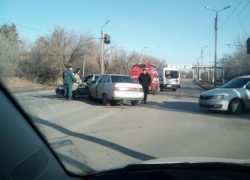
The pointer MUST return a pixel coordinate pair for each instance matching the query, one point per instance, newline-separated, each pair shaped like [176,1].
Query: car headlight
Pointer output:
[218,97]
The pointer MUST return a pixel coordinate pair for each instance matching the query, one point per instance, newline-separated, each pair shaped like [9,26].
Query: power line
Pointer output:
[23,26]
[239,18]
[31,18]
[26,9]
[209,45]
[231,14]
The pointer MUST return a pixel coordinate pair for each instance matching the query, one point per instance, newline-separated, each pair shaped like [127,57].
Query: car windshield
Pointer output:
[60,60]
[121,79]
[236,83]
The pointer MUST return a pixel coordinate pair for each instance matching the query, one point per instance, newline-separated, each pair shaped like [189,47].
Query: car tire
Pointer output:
[235,107]
[105,100]
[134,103]
[89,95]
[174,89]
[74,94]
[112,103]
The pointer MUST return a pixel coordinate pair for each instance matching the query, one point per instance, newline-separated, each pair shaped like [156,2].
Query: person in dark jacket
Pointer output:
[68,81]
[145,81]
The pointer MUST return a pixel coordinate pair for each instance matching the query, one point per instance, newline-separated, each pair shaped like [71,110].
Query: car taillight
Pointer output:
[176,80]
[115,89]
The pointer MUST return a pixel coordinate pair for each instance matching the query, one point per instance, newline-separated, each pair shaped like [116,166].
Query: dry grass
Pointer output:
[21,85]
[209,85]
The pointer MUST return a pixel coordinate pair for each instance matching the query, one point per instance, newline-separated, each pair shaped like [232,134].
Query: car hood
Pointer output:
[194,160]
[180,162]
[221,91]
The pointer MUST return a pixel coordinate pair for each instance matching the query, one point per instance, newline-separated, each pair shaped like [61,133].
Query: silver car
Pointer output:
[114,87]
[233,96]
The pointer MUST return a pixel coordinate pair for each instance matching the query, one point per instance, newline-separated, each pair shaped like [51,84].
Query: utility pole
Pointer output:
[142,53]
[83,66]
[223,72]
[202,57]
[215,52]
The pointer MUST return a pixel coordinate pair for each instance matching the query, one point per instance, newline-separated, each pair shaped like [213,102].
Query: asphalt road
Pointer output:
[89,137]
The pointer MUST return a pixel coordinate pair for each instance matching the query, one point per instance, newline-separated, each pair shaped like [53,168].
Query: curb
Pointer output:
[202,86]
[32,92]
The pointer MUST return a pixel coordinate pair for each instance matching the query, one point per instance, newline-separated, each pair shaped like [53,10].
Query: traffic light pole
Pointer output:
[102,50]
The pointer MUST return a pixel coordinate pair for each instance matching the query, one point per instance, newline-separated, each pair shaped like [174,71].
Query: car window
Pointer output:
[104,79]
[171,74]
[96,77]
[108,80]
[90,78]
[121,79]
[236,83]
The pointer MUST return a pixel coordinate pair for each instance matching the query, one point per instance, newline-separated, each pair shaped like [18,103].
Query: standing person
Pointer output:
[145,81]
[76,84]
[68,80]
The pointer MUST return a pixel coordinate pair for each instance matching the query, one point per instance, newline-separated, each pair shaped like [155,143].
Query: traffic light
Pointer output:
[107,39]
[248,46]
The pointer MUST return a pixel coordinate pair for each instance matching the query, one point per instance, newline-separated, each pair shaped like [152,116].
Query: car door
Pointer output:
[93,87]
[248,96]
[101,86]
[83,89]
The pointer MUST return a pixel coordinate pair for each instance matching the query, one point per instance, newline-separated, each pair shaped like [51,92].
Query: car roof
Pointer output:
[116,75]
[248,76]
[92,74]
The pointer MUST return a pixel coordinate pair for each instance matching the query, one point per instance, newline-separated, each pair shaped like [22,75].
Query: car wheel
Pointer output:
[89,95]
[105,100]
[134,103]
[235,107]
[74,94]
[112,103]
[174,89]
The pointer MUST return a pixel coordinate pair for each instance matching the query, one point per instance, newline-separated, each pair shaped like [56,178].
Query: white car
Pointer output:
[233,96]
[115,87]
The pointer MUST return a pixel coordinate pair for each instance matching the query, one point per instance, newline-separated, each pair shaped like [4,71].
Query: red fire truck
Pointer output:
[151,69]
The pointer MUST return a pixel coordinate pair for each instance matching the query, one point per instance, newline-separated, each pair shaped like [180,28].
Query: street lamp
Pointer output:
[102,47]
[141,52]
[202,56]
[215,53]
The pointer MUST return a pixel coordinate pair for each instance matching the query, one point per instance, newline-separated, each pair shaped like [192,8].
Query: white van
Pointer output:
[169,78]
